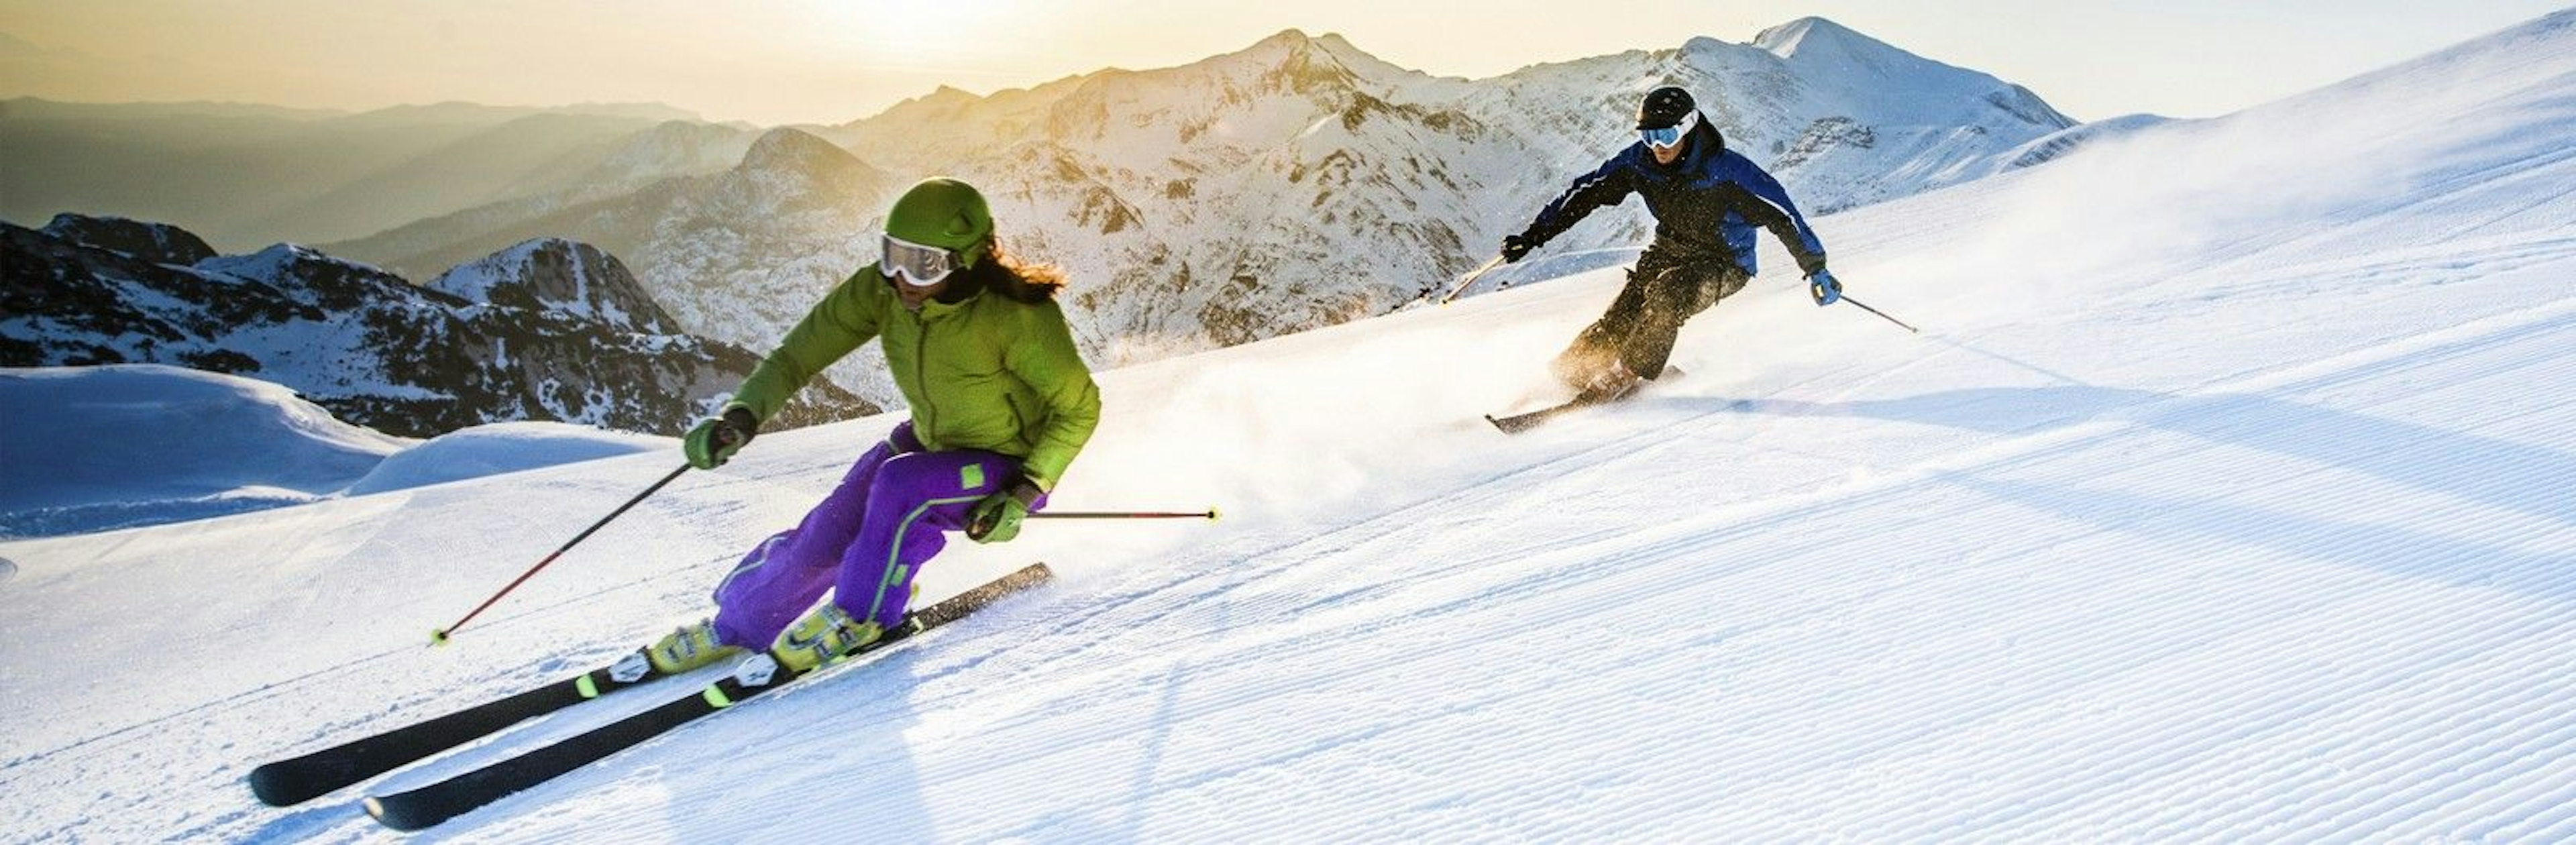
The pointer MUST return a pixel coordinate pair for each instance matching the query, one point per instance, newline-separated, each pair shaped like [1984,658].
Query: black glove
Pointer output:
[1515,246]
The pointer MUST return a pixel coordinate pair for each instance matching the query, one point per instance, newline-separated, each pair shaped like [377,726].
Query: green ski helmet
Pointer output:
[945,213]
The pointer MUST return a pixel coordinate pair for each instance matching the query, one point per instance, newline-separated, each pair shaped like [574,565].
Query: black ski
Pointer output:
[438,802]
[301,779]
[1517,423]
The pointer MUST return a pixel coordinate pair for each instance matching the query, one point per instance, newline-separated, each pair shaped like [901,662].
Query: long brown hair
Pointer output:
[1005,274]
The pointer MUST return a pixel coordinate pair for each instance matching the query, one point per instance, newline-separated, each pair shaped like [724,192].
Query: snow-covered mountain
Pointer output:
[1299,182]
[545,330]
[562,277]
[737,254]
[2222,503]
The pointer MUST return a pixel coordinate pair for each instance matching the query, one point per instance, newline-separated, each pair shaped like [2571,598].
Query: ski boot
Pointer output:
[1610,381]
[688,647]
[1593,369]
[824,635]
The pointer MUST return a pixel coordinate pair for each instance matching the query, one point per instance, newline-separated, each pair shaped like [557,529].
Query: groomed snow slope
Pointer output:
[2224,499]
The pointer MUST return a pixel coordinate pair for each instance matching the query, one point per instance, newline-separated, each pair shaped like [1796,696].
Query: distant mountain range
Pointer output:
[545,330]
[256,175]
[1297,183]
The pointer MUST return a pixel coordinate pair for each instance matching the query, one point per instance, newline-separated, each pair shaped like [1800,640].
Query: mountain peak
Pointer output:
[1810,35]
[789,148]
[1290,37]
[284,260]
[562,276]
[160,243]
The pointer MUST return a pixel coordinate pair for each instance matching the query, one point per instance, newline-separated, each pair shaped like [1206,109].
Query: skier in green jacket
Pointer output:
[1001,402]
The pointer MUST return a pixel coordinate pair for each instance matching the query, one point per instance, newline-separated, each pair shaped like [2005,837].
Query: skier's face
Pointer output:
[914,295]
[1667,155]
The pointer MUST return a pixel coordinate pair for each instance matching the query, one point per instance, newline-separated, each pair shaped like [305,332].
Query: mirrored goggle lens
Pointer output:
[1670,136]
[917,265]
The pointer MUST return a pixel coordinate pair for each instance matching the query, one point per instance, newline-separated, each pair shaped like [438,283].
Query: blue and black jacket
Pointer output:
[1705,204]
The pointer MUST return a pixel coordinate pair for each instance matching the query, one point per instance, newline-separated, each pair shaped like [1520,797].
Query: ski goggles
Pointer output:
[918,265]
[1669,136]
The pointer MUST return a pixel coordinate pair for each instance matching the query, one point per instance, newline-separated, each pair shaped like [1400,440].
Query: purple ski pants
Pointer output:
[865,541]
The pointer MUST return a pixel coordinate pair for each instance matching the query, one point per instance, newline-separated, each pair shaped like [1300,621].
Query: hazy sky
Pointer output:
[779,61]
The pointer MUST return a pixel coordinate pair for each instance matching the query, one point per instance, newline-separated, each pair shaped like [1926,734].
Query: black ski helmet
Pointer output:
[1664,107]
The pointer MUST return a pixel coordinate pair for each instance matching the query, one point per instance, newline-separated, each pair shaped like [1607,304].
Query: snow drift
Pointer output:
[97,448]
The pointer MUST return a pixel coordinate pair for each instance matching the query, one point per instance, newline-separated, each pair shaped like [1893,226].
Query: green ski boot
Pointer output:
[687,648]
[822,636]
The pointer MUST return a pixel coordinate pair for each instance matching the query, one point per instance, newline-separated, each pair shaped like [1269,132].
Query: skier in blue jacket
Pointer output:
[1706,200]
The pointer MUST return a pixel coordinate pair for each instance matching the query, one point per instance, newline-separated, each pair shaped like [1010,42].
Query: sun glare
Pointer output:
[922,32]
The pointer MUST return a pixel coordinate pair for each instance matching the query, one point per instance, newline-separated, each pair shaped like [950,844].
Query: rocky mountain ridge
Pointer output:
[545,330]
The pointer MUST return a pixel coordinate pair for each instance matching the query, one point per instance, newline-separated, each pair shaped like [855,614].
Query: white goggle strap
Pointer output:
[917,264]
[1680,130]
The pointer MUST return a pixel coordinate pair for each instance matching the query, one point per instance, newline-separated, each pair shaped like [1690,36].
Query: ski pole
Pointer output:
[1210,515]
[1470,279]
[1882,315]
[438,637]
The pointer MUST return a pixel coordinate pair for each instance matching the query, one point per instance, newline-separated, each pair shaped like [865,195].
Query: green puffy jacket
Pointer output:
[987,373]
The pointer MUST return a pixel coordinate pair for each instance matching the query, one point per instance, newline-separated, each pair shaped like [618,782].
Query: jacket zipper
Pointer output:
[921,376]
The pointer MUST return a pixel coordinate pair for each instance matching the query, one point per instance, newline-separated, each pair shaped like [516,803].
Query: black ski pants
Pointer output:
[1665,289]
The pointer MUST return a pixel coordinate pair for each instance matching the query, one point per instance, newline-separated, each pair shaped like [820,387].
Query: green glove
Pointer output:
[996,519]
[715,439]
